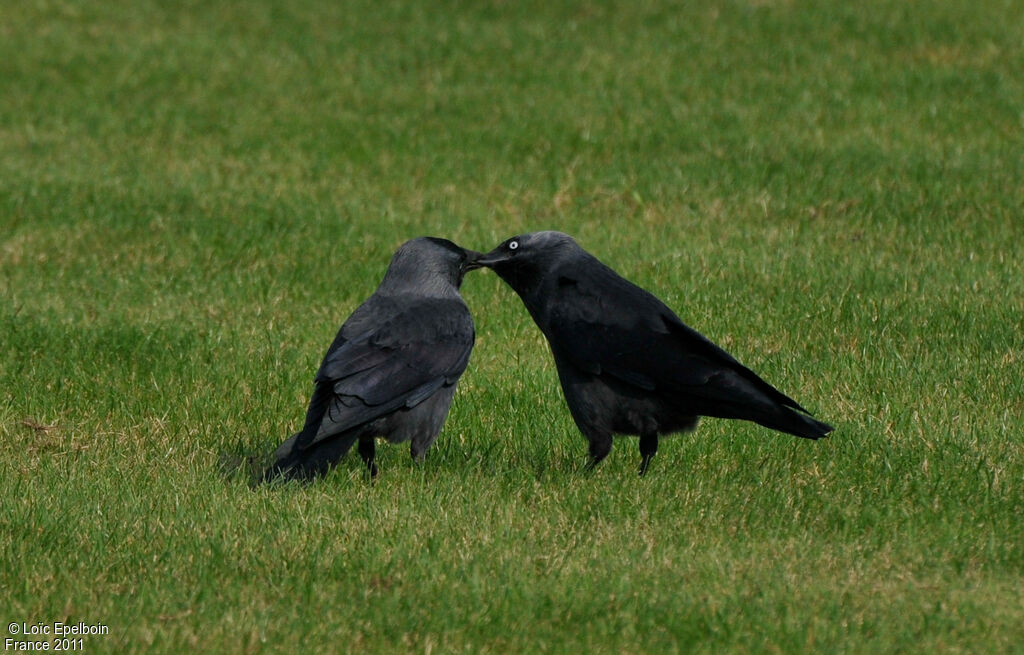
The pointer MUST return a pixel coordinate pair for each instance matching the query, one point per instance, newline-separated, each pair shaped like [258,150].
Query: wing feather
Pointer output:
[377,367]
[603,323]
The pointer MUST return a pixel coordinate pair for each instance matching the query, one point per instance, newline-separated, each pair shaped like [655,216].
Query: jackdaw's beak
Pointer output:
[496,256]
[472,260]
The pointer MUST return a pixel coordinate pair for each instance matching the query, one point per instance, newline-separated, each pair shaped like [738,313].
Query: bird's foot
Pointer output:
[648,447]
[644,463]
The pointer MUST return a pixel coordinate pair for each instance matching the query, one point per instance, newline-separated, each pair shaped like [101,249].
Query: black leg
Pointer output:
[600,446]
[648,447]
[418,449]
[368,451]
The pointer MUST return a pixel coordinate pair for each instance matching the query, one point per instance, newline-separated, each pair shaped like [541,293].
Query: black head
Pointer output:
[524,260]
[430,261]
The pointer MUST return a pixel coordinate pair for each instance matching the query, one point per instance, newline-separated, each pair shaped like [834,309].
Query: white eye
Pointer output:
[512,245]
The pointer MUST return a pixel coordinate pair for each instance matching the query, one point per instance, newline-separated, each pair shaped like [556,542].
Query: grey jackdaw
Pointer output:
[392,370]
[627,363]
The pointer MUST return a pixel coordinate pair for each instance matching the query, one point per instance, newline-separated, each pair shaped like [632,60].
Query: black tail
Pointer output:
[291,463]
[796,423]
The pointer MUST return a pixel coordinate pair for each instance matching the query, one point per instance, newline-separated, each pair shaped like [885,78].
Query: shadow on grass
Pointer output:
[249,467]
[493,458]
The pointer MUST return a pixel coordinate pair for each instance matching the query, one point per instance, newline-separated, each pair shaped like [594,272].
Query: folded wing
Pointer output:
[376,366]
[604,324]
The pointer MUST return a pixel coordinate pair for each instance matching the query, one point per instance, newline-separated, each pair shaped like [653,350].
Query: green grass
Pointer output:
[193,198]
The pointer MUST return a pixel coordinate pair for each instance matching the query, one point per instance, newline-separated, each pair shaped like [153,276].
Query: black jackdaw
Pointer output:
[392,370]
[627,363]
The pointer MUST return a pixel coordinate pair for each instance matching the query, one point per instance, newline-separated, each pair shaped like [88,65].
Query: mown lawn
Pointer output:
[193,196]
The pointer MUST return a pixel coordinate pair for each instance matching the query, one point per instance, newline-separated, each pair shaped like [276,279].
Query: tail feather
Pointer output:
[291,463]
[797,424]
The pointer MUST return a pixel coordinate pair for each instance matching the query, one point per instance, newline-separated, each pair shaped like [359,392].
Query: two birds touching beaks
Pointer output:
[627,364]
